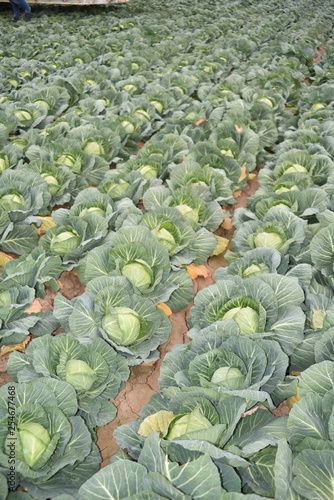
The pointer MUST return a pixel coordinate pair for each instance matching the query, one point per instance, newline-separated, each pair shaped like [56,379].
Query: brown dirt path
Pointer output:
[321,51]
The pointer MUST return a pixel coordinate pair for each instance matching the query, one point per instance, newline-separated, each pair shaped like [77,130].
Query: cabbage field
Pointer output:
[167,251]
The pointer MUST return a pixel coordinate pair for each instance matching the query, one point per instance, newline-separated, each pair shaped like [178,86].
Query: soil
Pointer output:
[307,82]
[4,377]
[70,285]
[281,410]
[321,51]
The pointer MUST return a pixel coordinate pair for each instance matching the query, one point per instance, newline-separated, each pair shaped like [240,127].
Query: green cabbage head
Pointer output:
[34,439]
[229,377]
[139,273]
[79,375]
[65,242]
[186,211]
[268,239]
[12,201]
[53,185]
[123,325]
[184,424]
[246,317]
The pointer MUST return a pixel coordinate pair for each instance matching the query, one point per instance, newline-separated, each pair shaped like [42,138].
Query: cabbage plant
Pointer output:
[9,494]
[136,254]
[35,270]
[23,194]
[183,84]
[52,98]
[321,248]
[198,211]
[139,118]
[119,184]
[263,260]
[184,245]
[313,432]
[18,238]
[324,345]
[207,153]
[8,119]
[305,204]
[316,379]
[319,307]
[253,263]
[166,476]
[268,97]
[66,152]
[97,140]
[28,115]
[9,157]
[73,235]
[166,147]
[61,181]
[94,370]
[16,322]
[268,305]
[220,359]
[92,201]
[279,229]
[54,450]
[133,85]
[131,324]
[212,182]
[163,99]
[310,138]
[310,431]
[295,181]
[194,421]
[317,166]
[242,145]
[149,169]
[262,440]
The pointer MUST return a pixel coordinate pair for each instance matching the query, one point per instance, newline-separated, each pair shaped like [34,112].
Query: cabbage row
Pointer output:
[121,147]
